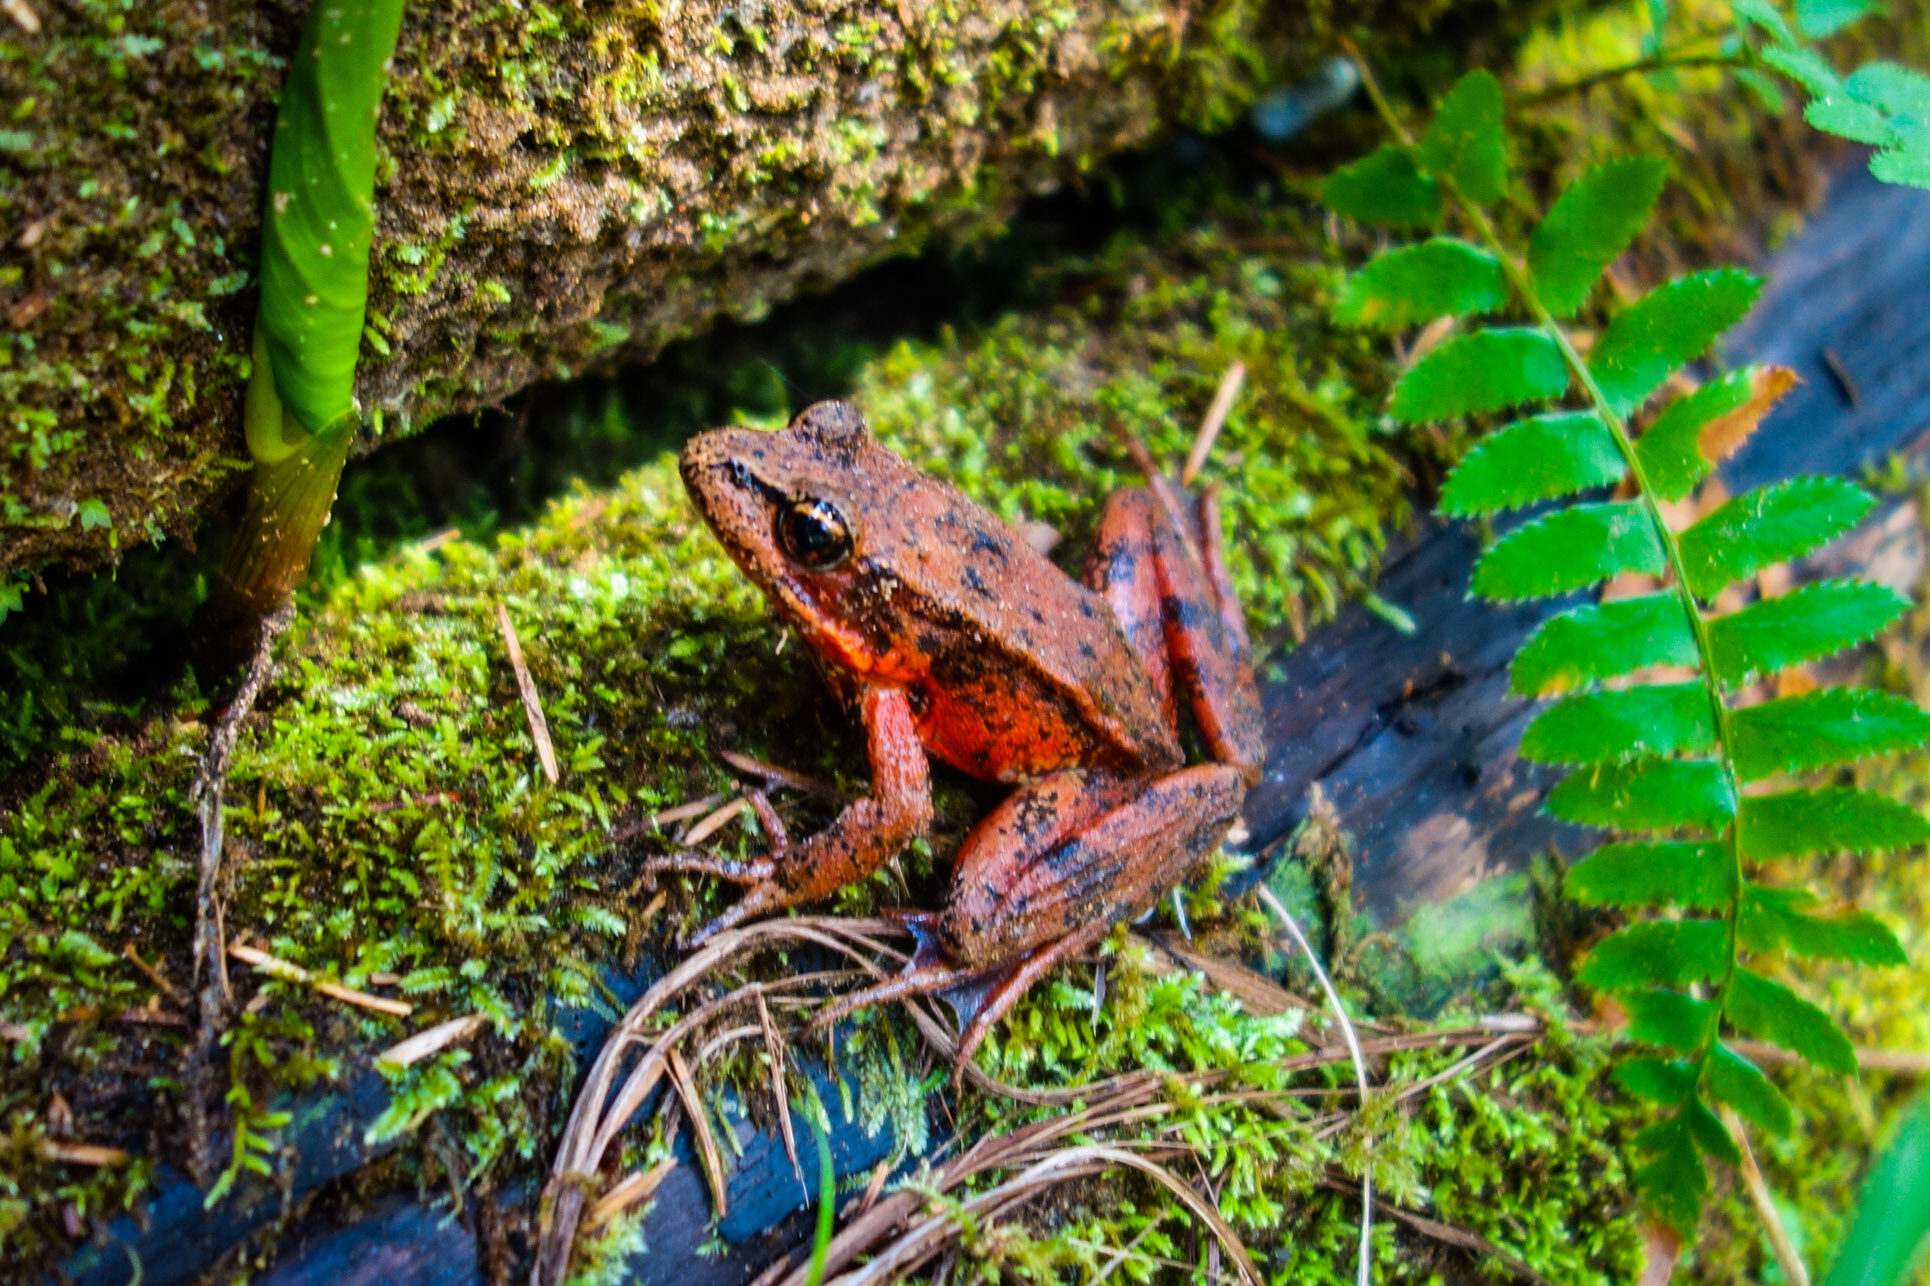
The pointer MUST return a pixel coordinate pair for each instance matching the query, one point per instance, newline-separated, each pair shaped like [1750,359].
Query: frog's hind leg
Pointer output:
[1123,570]
[1174,600]
[1045,876]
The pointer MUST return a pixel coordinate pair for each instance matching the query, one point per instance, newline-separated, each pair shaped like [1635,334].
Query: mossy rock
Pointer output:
[560,188]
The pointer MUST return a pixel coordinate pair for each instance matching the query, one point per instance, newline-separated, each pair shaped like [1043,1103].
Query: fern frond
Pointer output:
[1651,758]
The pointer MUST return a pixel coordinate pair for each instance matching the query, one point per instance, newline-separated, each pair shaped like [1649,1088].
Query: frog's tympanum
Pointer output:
[954,638]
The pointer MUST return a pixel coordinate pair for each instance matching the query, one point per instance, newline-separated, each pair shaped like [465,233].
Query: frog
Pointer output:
[955,640]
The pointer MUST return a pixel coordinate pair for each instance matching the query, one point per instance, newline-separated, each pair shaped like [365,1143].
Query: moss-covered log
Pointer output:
[561,186]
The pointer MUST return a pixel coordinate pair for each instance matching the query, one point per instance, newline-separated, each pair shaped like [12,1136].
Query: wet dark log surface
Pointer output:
[1412,737]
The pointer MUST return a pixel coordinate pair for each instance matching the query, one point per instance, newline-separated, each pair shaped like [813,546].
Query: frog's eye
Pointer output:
[814,534]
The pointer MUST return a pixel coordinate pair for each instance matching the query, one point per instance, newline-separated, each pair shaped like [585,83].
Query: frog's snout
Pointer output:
[713,468]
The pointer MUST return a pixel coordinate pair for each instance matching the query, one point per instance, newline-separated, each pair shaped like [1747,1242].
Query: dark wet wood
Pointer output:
[1411,736]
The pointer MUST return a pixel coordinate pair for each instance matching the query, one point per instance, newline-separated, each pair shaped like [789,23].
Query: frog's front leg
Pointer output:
[1046,875]
[860,840]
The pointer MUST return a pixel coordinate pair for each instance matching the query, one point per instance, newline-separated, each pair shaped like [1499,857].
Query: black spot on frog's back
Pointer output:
[987,544]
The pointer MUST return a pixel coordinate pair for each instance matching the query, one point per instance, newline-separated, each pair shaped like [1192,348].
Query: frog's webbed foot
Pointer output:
[978,997]
[858,841]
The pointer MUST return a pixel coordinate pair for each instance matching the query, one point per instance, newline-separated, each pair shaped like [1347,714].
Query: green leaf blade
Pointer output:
[1846,118]
[1646,795]
[1775,919]
[1695,433]
[1694,876]
[1466,143]
[1603,727]
[1807,68]
[1834,819]
[1821,19]
[1905,167]
[1675,1182]
[1442,277]
[1710,1135]
[1770,525]
[1892,88]
[1569,549]
[1823,729]
[1659,1080]
[320,217]
[1591,223]
[1893,1209]
[1736,1081]
[1489,370]
[1384,187]
[1765,14]
[1666,952]
[1603,641]
[1772,1012]
[1670,326]
[1543,457]
[1806,624]
[1668,1019]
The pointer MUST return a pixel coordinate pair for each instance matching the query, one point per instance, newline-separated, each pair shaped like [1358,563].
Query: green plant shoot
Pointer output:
[317,225]
[1665,765]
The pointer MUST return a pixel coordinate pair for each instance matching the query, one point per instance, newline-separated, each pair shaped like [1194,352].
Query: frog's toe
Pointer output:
[753,871]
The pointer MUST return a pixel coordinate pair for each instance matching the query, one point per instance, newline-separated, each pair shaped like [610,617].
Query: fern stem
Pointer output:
[1640,67]
[1624,443]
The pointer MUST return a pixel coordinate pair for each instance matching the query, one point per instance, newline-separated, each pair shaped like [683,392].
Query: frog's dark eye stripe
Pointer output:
[813,534]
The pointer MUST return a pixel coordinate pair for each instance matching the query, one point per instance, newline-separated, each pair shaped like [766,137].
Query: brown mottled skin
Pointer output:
[956,639]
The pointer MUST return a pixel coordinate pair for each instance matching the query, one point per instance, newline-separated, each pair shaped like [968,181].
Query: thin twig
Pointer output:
[93,1155]
[783,776]
[432,1040]
[716,821]
[610,1097]
[1216,414]
[210,784]
[700,1122]
[1788,1258]
[23,15]
[276,967]
[634,1187]
[1640,67]
[1447,1234]
[153,974]
[539,727]
[774,1050]
[1365,1268]
[668,817]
